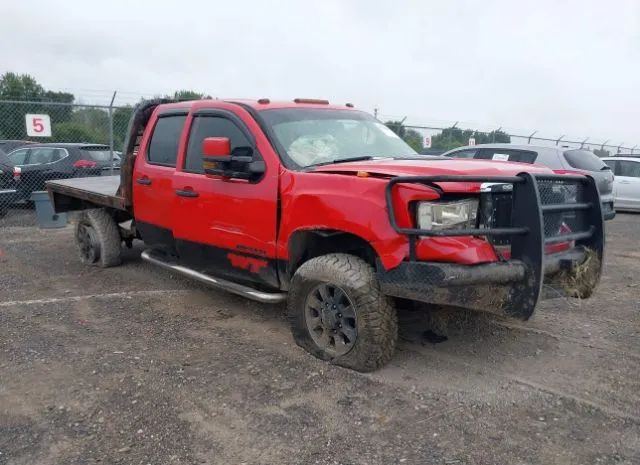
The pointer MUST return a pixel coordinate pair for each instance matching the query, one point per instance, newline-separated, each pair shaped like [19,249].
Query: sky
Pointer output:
[559,67]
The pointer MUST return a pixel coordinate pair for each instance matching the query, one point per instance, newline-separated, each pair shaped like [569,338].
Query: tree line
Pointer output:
[91,124]
[69,123]
[448,138]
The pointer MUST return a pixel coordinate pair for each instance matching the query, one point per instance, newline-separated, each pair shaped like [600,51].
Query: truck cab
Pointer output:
[325,207]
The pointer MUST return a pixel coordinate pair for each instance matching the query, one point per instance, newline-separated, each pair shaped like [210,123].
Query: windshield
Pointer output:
[310,136]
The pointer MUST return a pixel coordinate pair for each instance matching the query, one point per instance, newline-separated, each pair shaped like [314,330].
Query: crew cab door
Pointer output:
[225,226]
[153,193]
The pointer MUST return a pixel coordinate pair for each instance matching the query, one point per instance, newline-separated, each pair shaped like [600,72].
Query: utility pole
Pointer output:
[111,130]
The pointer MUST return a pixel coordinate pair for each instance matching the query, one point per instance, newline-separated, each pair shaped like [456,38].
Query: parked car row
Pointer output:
[561,160]
[25,167]
[28,166]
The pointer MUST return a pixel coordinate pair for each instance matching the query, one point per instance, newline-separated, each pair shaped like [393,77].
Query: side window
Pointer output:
[629,168]
[613,164]
[19,157]
[470,153]
[163,147]
[210,126]
[42,155]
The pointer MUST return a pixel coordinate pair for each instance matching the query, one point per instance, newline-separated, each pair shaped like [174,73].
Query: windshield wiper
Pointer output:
[343,160]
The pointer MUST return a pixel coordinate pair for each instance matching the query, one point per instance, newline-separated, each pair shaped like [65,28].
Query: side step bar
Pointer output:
[234,288]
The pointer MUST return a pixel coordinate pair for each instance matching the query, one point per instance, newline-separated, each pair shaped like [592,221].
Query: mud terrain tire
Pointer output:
[98,238]
[357,292]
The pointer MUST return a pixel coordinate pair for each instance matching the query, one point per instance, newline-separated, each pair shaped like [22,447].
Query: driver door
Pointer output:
[221,226]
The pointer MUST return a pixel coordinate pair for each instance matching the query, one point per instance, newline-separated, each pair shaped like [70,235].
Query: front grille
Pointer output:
[495,212]
[496,208]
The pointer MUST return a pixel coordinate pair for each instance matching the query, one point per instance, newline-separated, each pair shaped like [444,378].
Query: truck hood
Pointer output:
[388,167]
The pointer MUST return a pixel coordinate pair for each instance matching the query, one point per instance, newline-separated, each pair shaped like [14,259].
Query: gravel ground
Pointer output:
[133,365]
[18,215]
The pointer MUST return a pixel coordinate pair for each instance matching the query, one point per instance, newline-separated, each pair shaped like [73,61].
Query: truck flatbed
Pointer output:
[75,193]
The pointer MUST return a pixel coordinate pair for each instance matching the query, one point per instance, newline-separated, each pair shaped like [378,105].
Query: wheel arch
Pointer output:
[303,245]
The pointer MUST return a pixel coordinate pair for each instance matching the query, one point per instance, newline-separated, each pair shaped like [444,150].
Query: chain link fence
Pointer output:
[40,141]
[439,137]
[602,149]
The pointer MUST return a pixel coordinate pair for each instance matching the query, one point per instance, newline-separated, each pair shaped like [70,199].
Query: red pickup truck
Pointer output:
[325,207]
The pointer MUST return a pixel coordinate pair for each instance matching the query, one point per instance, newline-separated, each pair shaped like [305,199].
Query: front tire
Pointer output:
[98,238]
[338,313]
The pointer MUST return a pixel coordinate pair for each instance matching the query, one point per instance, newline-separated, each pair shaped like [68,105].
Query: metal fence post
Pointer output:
[111,129]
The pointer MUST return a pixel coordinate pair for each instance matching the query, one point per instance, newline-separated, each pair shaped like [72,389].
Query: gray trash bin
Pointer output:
[46,216]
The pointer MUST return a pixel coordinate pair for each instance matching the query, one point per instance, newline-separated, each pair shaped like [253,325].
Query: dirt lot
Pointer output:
[133,365]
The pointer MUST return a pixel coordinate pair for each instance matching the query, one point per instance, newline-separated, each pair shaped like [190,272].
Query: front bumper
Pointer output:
[491,287]
[543,210]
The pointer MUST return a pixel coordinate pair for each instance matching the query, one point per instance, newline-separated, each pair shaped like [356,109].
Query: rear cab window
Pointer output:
[470,153]
[584,160]
[498,154]
[163,147]
[97,153]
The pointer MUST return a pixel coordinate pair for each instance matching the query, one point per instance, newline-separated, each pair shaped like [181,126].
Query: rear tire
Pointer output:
[98,239]
[338,313]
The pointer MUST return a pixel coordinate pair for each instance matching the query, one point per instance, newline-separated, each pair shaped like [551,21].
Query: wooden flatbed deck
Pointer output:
[99,190]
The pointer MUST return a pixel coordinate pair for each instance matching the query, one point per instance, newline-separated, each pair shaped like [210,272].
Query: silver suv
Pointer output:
[561,160]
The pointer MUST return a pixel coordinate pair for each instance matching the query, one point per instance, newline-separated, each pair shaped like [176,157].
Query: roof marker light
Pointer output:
[264,101]
[311,100]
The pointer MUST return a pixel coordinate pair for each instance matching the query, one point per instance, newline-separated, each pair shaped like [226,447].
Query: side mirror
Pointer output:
[216,149]
[219,160]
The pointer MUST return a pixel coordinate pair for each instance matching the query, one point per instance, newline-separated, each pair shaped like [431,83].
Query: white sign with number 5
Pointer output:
[38,125]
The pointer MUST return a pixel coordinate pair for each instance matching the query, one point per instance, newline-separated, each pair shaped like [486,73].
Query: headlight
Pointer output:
[460,214]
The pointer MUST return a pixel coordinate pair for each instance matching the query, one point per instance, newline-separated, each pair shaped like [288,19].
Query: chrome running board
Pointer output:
[235,288]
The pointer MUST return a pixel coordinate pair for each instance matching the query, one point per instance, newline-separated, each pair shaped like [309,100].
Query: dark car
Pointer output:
[38,163]
[9,174]
[562,160]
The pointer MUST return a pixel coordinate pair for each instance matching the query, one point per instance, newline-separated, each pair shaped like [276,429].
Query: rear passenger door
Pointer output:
[153,180]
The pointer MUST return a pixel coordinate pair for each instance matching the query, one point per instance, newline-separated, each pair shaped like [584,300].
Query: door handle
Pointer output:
[186,193]
[145,181]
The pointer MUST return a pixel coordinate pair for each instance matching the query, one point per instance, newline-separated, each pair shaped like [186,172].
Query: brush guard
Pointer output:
[540,203]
